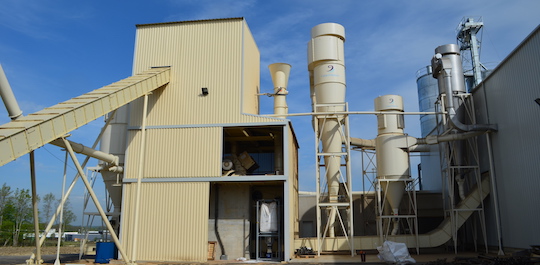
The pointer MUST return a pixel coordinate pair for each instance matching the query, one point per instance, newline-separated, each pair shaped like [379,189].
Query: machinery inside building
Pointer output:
[193,167]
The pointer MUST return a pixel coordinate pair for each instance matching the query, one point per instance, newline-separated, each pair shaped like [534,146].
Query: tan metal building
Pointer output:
[201,159]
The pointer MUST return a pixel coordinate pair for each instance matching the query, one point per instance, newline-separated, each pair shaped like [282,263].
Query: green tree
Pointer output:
[22,204]
[5,192]
[69,216]
[49,206]
[8,224]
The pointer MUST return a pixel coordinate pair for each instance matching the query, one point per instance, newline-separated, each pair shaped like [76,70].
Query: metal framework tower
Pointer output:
[467,38]
[407,222]
[338,213]
[460,166]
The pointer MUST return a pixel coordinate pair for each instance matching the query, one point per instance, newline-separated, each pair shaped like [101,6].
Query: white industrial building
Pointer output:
[195,172]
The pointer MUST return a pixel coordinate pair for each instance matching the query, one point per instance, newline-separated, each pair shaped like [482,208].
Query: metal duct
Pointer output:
[81,149]
[446,64]
[8,97]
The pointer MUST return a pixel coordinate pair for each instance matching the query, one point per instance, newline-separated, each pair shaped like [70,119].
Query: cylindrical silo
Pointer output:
[428,92]
[114,142]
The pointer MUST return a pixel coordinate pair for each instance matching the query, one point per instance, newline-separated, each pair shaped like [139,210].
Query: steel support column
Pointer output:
[96,202]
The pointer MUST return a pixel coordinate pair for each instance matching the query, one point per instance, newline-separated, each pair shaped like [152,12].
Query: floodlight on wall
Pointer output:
[537,101]
[204,91]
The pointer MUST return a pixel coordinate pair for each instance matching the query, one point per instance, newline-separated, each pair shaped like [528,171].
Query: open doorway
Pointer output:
[252,150]
[233,217]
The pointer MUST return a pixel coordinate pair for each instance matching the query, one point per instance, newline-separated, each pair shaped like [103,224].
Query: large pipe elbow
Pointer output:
[445,68]
[455,123]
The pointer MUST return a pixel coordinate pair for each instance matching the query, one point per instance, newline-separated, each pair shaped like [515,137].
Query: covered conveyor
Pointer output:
[21,136]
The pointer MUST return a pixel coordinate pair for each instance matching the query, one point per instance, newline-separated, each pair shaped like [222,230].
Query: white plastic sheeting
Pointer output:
[394,252]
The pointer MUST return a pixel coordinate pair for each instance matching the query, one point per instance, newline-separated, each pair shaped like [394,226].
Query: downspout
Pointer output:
[419,176]
[216,217]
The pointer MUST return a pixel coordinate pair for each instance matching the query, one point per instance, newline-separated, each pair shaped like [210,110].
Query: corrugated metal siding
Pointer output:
[176,152]
[217,54]
[293,190]
[209,54]
[251,74]
[510,92]
[173,223]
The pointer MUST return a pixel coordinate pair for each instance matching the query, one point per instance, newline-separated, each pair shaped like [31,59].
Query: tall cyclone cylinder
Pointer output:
[326,65]
[451,52]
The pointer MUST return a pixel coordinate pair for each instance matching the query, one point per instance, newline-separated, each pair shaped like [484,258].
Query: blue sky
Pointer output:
[52,51]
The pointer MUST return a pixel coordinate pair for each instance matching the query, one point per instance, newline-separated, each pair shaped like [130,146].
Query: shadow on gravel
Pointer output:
[47,259]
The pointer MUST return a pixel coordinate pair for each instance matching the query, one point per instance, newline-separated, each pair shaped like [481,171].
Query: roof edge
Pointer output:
[189,21]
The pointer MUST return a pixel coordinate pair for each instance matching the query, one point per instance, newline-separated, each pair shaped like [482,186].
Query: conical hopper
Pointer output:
[280,74]
[393,190]
[280,78]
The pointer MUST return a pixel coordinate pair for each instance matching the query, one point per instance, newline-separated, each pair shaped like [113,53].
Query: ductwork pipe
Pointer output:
[13,109]
[420,148]
[366,143]
[81,149]
[435,139]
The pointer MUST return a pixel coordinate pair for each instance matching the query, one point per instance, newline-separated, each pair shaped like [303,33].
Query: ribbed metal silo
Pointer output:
[428,91]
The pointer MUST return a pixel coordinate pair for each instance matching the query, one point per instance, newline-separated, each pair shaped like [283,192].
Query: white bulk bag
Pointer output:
[268,217]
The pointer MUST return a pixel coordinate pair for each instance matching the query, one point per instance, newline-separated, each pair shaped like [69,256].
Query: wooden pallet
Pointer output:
[211,250]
